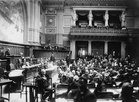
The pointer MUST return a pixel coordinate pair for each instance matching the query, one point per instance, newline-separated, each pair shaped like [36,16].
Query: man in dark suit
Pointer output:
[68,59]
[52,58]
[7,52]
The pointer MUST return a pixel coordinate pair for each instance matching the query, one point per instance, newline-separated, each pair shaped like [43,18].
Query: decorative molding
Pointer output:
[50,30]
[50,11]
[50,21]
[50,38]
[67,21]
[89,37]
[95,2]
[58,4]
[66,30]
[100,8]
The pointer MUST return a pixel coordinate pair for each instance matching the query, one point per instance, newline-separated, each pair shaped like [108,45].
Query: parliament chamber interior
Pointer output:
[69,51]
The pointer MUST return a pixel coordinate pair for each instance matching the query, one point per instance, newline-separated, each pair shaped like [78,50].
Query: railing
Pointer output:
[97,31]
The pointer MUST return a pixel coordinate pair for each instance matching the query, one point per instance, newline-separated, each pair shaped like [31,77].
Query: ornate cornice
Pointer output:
[57,4]
[95,2]
[84,3]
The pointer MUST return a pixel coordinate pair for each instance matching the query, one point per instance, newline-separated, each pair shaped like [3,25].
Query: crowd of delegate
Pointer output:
[105,68]
[100,72]
[97,71]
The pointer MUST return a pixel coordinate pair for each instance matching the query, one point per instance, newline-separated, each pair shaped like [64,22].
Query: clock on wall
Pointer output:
[50,21]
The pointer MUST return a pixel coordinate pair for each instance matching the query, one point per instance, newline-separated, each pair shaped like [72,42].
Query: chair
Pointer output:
[1,73]
[1,100]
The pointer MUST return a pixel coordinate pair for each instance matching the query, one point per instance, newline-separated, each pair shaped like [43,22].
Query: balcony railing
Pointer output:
[98,31]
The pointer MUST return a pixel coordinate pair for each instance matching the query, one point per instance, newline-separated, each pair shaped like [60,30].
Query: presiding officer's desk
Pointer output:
[25,74]
[30,73]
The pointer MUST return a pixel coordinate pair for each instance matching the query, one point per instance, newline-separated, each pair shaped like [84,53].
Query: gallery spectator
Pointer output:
[42,81]
[83,91]
[52,57]
[7,52]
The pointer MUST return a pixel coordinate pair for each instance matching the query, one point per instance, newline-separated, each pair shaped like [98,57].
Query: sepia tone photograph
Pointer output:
[69,50]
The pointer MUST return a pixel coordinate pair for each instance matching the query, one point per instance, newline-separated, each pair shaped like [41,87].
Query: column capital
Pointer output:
[90,15]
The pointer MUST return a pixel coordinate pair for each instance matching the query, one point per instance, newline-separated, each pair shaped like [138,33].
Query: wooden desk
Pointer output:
[32,92]
[31,71]
[4,82]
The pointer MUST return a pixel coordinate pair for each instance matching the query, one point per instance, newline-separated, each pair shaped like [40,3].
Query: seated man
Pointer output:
[43,84]
[100,88]
[73,87]
[90,98]
[83,91]
[127,93]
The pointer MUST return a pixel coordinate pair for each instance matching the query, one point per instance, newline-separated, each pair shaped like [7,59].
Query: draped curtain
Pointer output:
[82,13]
[98,14]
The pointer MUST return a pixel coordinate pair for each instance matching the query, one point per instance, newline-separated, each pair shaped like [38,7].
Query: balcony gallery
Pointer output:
[102,22]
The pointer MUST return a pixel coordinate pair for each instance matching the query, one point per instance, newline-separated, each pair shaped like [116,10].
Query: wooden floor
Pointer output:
[15,97]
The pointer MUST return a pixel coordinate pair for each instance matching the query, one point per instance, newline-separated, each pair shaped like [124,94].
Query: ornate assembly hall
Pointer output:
[69,51]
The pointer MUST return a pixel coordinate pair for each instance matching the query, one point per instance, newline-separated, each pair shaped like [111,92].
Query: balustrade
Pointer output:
[97,30]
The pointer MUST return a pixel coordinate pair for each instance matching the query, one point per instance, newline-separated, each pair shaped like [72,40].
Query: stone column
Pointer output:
[72,48]
[106,18]
[75,18]
[123,46]
[33,7]
[90,17]
[89,47]
[37,24]
[106,47]
[30,20]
